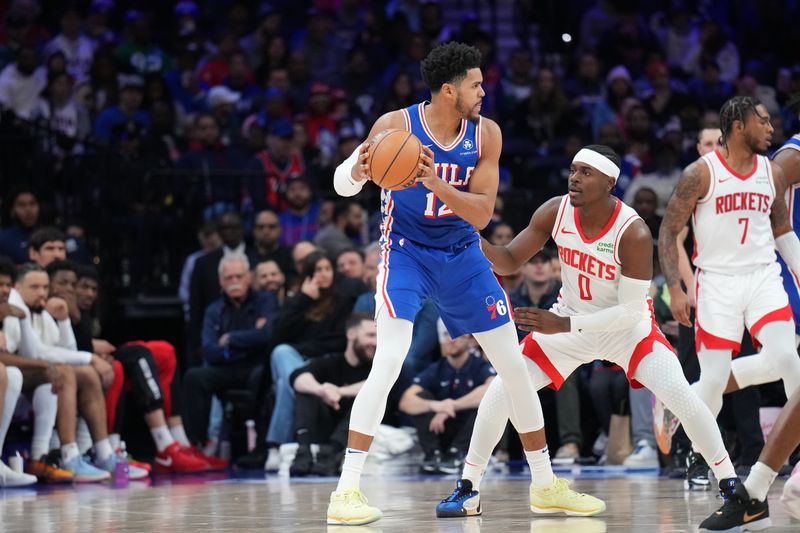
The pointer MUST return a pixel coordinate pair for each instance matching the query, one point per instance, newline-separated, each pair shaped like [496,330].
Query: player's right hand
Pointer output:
[360,170]
[680,306]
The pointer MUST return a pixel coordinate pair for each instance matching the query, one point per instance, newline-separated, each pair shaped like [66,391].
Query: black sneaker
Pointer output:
[430,465]
[738,511]
[328,461]
[451,462]
[254,460]
[302,461]
[696,472]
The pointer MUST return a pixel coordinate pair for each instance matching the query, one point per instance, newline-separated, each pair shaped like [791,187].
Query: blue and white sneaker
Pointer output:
[134,472]
[462,502]
[84,471]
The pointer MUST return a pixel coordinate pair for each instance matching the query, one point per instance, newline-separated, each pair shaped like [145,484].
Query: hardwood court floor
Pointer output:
[643,503]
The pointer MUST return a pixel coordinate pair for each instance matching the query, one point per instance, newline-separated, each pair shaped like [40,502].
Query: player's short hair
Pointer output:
[58,265]
[350,251]
[7,268]
[44,235]
[448,63]
[737,108]
[606,152]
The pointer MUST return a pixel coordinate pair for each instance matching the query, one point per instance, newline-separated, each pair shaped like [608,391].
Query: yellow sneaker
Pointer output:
[349,507]
[560,498]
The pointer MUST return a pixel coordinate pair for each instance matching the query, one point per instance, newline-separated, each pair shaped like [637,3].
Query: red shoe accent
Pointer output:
[214,462]
[176,459]
[147,467]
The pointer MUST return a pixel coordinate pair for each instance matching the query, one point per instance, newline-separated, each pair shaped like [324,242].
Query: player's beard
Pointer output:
[752,143]
[466,112]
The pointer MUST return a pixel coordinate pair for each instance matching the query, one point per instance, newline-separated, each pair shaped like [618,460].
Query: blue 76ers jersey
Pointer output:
[416,213]
[790,282]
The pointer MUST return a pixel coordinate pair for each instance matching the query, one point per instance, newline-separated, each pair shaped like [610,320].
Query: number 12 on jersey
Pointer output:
[583,287]
[430,207]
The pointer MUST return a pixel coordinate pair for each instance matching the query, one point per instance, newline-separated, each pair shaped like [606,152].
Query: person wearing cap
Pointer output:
[222,102]
[97,23]
[131,94]
[606,254]
[619,87]
[274,166]
[443,402]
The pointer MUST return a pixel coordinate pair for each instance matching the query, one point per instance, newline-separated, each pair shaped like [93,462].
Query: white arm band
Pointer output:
[343,182]
[631,309]
[789,247]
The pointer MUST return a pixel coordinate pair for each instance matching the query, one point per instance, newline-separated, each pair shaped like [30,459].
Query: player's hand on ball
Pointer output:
[426,174]
[360,170]
[540,321]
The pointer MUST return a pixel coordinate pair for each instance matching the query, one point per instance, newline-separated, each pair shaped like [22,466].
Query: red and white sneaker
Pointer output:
[176,459]
[215,463]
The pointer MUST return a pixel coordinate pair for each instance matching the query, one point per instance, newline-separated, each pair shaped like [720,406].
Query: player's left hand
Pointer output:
[426,174]
[540,321]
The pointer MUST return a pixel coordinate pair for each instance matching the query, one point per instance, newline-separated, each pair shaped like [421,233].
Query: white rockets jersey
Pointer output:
[732,228]
[590,268]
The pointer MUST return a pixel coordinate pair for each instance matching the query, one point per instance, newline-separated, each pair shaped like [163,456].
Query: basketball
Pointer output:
[394,159]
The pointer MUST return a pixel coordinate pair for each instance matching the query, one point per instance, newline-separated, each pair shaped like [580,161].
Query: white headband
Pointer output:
[598,161]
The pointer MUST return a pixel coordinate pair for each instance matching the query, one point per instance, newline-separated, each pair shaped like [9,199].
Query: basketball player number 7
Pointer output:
[746,222]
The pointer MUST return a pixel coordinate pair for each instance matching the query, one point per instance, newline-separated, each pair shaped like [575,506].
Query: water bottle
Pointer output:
[251,435]
[120,477]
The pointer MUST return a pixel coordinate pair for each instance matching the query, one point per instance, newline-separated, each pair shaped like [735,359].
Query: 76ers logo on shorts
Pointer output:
[495,307]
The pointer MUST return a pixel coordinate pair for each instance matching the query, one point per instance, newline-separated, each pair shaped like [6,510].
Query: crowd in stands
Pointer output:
[188,149]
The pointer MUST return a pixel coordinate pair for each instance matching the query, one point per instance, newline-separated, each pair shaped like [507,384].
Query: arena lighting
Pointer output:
[566,37]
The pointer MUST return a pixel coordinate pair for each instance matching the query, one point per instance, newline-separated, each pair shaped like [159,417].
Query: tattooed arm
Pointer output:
[692,186]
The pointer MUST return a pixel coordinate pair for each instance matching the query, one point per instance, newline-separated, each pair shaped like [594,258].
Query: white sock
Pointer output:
[351,469]
[69,452]
[115,440]
[102,450]
[162,437]
[13,388]
[45,407]
[84,436]
[541,470]
[474,473]
[179,435]
[758,482]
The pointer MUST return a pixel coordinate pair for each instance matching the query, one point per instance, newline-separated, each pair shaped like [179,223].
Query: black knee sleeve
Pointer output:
[140,369]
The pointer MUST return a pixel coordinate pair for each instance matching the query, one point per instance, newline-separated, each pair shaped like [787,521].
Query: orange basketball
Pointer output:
[394,159]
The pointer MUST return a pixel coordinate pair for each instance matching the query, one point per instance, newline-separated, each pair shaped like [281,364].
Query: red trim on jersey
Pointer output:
[387,243]
[779,315]
[712,185]
[645,347]
[433,139]
[630,220]
[407,118]
[733,172]
[478,135]
[603,231]
[534,352]
[561,210]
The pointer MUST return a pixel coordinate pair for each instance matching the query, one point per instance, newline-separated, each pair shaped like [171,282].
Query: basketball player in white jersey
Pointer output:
[606,254]
[739,216]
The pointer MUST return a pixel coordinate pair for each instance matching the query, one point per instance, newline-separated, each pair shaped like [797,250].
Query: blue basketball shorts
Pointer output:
[792,286]
[458,279]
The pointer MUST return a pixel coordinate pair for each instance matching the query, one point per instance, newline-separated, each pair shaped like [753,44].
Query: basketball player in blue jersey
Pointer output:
[430,248]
